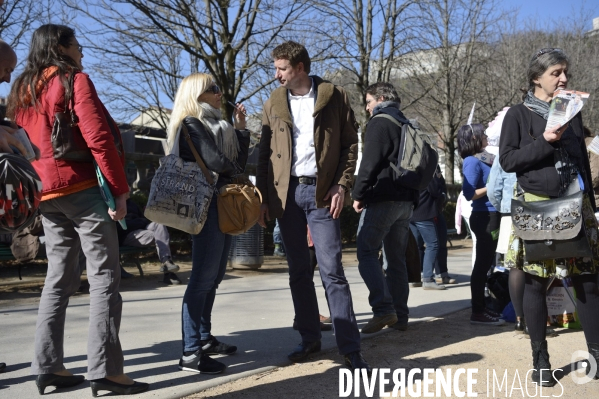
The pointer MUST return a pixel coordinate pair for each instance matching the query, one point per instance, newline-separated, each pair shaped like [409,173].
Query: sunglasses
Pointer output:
[214,89]
[546,51]
[79,47]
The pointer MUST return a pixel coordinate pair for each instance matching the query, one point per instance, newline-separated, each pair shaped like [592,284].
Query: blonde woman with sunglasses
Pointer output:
[224,150]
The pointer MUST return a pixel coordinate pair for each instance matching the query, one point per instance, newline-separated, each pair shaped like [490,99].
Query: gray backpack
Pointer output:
[417,159]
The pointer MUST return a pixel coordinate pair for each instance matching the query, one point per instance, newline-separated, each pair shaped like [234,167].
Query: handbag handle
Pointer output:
[205,170]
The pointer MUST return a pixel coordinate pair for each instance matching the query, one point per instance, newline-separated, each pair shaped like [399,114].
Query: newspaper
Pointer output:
[564,106]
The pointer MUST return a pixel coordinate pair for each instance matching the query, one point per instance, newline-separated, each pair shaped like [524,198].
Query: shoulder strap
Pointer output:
[205,170]
[389,117]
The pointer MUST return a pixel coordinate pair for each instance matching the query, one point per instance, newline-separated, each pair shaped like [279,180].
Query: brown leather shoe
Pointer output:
[377,323]
[324,319]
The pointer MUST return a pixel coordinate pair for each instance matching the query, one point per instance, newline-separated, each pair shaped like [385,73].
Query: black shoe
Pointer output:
[354,360]
[304,350]
[542,373]
[104,384]
[521,326]
[2,367]
[199,362]
[171,278]
[125,274]
[212,346]
[493,313]
[59,381]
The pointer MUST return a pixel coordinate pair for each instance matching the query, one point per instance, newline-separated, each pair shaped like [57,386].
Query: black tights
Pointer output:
[587,304]
[484,226]
[516,283]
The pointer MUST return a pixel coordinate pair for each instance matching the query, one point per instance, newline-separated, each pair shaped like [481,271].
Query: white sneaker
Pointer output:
[169,266]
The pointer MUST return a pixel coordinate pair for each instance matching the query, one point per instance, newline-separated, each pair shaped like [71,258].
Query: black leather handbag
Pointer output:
[67,140]
[551,229]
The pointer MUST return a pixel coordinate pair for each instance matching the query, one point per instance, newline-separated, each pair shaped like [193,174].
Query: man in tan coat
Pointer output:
[306,166]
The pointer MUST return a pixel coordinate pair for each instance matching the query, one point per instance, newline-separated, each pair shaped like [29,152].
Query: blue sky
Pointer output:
[546,11]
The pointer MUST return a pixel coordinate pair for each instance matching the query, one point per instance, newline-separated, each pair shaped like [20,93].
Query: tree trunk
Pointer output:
[449,148]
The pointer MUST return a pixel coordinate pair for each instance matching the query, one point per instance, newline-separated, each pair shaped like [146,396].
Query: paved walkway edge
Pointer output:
[234,377]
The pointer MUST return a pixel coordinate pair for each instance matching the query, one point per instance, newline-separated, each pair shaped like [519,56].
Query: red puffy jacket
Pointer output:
[58,175]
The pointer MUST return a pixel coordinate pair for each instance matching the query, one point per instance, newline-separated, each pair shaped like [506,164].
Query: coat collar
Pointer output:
[280,104]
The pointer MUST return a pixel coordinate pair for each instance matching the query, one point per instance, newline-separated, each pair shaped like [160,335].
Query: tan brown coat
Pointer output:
[335,142]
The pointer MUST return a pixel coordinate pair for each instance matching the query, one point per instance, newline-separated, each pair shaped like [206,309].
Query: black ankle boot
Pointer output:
[594,351]
[520,325]
[542,374]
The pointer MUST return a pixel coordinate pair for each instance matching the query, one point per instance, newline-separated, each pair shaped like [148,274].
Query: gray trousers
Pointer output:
[154,233]
[73,222]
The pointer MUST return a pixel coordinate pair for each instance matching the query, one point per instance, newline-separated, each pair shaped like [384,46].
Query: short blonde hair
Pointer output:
[186,103]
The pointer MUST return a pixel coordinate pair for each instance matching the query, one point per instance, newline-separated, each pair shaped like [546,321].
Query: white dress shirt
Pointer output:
[302,109]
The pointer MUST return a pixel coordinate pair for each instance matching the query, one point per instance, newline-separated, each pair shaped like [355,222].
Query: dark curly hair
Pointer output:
[294,53]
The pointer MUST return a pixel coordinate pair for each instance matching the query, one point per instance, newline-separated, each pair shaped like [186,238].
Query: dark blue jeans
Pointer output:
[276,233]
[425,232]
[209,256]
[301,211]
[385,222]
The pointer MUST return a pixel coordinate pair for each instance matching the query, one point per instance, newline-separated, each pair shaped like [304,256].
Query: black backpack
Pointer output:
[417,160]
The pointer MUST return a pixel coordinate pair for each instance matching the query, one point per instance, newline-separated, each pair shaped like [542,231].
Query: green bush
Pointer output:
[449,214]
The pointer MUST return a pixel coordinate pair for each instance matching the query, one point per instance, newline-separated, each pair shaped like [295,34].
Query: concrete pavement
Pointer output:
[253,310]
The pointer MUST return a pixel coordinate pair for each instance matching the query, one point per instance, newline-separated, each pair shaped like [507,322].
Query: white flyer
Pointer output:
[564,106]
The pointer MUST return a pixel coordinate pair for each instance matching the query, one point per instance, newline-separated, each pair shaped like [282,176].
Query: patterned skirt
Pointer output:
[515,253]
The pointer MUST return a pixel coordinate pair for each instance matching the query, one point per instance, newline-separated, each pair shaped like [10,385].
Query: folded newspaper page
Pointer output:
[564,106]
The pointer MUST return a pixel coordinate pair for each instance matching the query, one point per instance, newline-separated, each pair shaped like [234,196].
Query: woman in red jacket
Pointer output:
[75,217]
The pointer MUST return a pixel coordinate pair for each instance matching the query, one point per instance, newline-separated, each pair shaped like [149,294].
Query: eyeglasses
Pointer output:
[546,51]
[214,89]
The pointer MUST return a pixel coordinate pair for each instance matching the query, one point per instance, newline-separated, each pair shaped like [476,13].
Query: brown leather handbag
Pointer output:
[238,206]
[67,140]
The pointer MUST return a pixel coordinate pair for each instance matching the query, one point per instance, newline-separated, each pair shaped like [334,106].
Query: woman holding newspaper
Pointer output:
[224,150]
[75,217]
[550,163]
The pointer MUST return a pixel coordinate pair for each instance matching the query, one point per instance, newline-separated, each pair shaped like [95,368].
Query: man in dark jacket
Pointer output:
[424,226]
[386,210]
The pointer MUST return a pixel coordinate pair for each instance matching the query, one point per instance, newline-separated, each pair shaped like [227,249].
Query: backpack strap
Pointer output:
[389,117]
